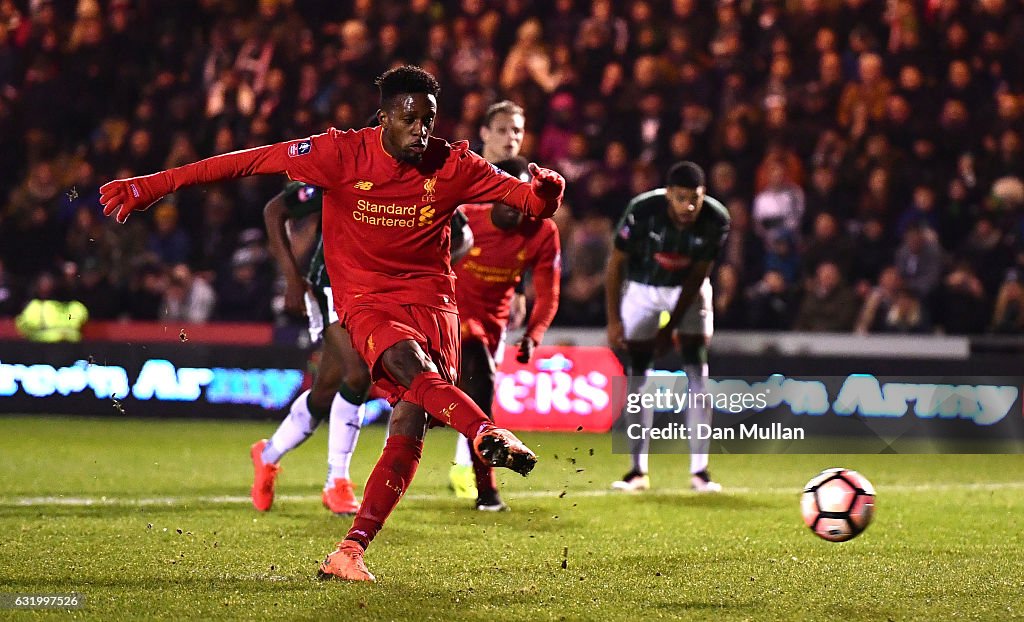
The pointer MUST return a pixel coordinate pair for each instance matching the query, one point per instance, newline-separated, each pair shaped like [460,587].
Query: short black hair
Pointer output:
[685,174]
[406,79]
[516,167]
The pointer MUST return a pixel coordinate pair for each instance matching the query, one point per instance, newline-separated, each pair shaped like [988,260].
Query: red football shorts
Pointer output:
[491,333]
[374,329]
[477,323]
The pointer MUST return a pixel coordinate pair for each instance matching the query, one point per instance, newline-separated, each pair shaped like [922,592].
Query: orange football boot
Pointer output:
[340,498]
[500,448]
[345,563]
[264,476]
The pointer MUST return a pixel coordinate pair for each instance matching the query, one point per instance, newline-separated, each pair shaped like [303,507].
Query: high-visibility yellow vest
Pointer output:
[52,320]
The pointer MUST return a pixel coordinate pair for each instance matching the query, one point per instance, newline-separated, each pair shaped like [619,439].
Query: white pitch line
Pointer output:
[77,501]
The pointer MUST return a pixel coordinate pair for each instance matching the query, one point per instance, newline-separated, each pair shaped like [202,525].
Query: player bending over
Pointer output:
[388,194]
[666,243]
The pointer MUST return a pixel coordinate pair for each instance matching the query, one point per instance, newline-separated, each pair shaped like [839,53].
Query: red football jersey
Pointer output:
[386,222]
[487,276]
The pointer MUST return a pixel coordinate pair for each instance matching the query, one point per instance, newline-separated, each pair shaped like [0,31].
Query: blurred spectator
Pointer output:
[94,289]
[864,100]
[188,298]
[558,131]
[828,244]
[50,316]
[905,315]
[781,255]
[528,63]
[583,275]
[879,302]
[919,261]
[985,250]
[825,196]
[146,292]
[168,242]
[780,206]
[242,295]
[722,183]
[829,305]
[921,212]
[964,309]
[218,234]
[728,305]
[874,250]
[771,303]
[1008,316]
[89,240]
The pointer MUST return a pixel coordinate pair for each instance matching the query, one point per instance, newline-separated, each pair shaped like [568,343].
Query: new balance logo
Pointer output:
[363,185]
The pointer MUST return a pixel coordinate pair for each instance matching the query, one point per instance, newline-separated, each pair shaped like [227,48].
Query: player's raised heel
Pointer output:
[345,563]
[500,448]
[264,477]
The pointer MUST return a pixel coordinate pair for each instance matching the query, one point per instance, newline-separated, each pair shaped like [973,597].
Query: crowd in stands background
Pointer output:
[871,152]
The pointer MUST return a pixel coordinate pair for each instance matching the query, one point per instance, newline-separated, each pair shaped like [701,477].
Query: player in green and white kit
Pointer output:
[665,246]
[342,381]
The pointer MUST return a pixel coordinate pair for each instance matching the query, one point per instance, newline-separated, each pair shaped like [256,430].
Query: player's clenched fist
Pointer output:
[125,196]
[547,184]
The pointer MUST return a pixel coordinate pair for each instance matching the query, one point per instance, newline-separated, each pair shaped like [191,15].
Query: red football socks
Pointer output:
[389,480]
[446,403]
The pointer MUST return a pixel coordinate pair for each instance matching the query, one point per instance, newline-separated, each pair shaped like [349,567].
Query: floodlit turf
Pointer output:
[150,520]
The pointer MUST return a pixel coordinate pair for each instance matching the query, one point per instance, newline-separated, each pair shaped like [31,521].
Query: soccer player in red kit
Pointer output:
[389,193]
[505,243]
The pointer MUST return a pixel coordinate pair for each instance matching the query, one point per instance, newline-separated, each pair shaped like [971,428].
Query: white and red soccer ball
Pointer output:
[837,504]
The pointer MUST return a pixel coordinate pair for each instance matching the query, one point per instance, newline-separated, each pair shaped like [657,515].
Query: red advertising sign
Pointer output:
[561,389]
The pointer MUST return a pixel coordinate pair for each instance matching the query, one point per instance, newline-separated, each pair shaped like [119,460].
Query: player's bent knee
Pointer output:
[358,380]
[405,360]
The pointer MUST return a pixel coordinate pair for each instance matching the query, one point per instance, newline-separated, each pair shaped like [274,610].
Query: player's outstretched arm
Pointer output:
[540,198]
[300,159]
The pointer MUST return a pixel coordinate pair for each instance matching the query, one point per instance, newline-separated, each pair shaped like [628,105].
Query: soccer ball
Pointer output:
[837,504]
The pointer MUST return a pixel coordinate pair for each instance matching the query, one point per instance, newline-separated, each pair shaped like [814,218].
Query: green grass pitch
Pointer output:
[150,519]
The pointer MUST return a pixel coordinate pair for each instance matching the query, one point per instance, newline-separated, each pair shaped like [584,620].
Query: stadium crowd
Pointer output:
[870,152]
